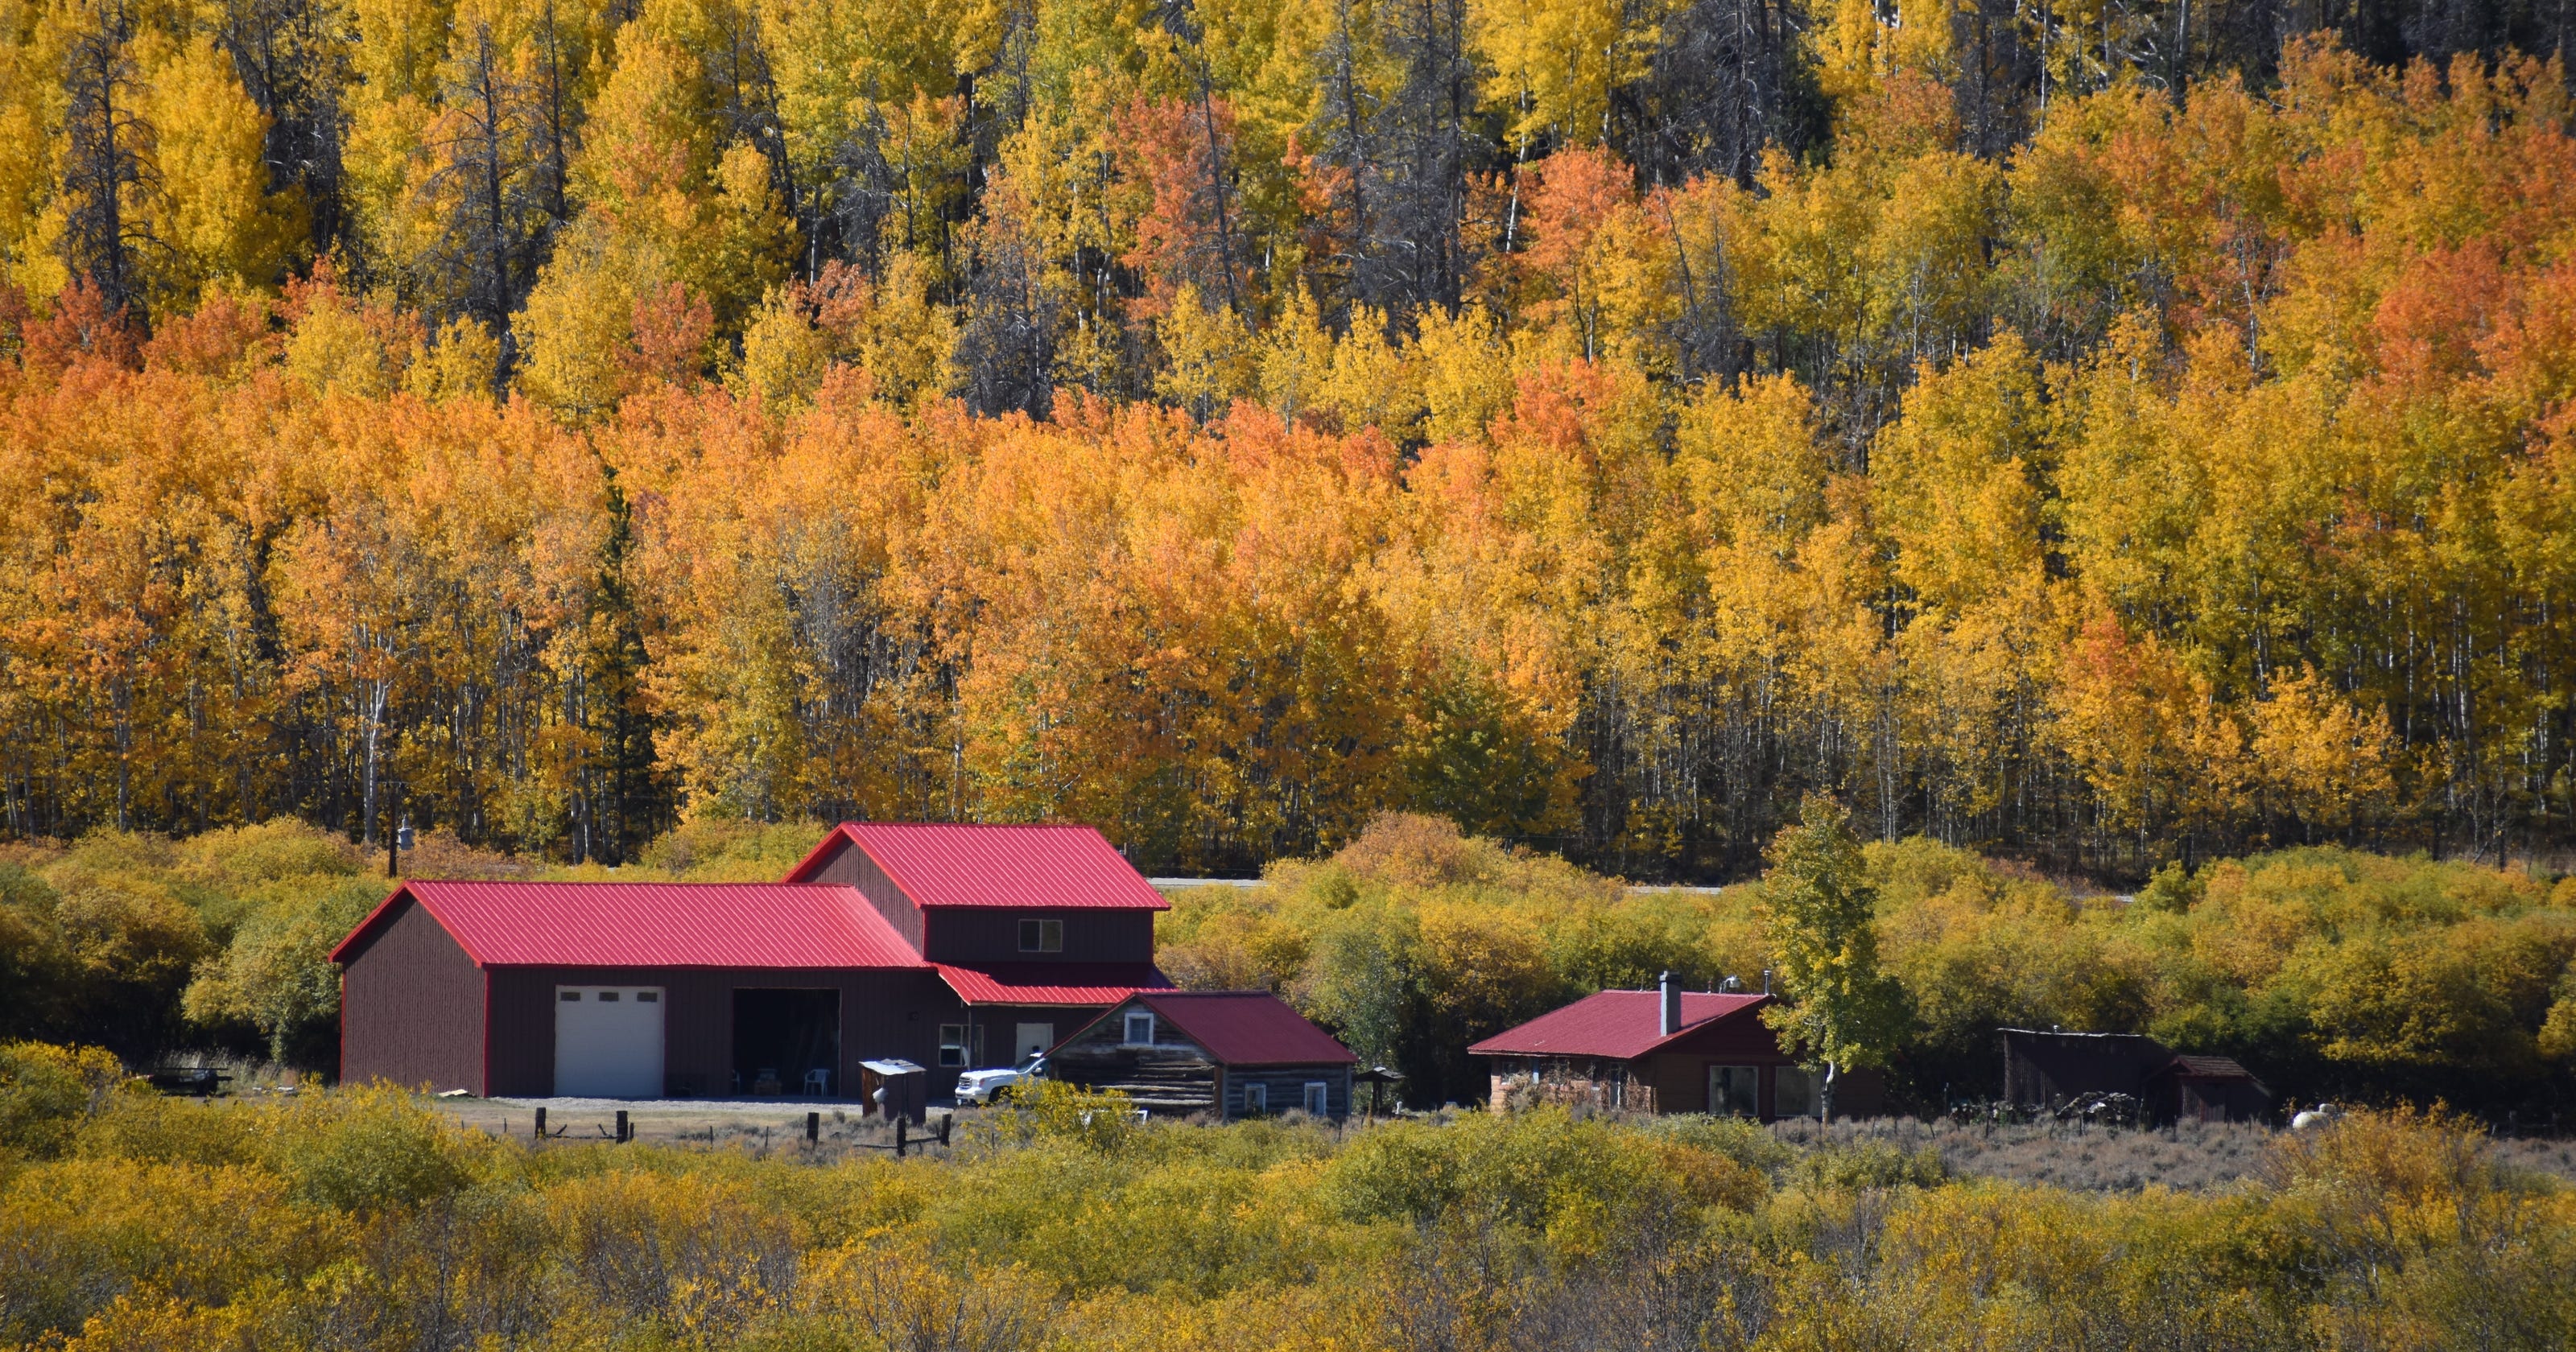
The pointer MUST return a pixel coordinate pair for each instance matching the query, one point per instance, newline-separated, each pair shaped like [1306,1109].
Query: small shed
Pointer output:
[2206,1089]
[2044,1069]
[895,1088]
[1232,1053]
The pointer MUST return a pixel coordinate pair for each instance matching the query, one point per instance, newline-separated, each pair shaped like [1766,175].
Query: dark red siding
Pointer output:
[848,865]
[1679,1070]
[883,1014]
[411,1006]
[975,935]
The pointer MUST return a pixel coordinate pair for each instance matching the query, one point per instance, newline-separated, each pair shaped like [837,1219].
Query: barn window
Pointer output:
[572,995]
[647,997]
[1140,1030]
[952,1044]
[1256,1099]
[1041,936]
[609,996]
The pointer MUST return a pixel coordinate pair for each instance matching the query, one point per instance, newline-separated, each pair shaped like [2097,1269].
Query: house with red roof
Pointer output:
[950,946]
[1665,1050]
[1232,1054]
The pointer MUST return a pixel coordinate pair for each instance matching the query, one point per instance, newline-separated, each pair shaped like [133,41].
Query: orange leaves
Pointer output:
[1184,234]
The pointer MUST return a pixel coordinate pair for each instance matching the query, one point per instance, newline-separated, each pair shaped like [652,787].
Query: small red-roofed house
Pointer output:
[889,943]
[1233,1054]
[1662,1051]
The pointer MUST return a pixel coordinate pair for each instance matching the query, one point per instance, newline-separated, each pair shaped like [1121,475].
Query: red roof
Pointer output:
[530,924]
[1019,867]
[1247,1028]
[1051,983]
[1619,1025]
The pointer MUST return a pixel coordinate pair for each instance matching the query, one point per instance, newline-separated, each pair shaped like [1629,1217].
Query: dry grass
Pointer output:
[2189,1156]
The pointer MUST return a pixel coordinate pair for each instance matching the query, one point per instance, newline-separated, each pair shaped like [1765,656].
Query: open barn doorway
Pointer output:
[786,1042]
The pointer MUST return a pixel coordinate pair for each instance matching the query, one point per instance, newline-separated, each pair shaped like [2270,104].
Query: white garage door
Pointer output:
[608,1041]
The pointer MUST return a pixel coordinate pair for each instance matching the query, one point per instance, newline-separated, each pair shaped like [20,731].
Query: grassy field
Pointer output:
[367,1219]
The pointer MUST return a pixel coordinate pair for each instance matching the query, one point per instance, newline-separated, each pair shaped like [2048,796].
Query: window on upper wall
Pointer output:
[1041,936]
[1140,1030]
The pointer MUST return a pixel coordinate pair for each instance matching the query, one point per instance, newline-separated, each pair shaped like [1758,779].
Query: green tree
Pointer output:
[1819,904]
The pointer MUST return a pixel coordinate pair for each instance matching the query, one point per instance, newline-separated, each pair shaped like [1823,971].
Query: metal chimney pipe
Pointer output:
[1672,993]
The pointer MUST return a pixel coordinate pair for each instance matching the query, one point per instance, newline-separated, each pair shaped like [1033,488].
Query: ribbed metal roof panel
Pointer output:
[1619,1025]
[644,924]
[1248,1028]
[1051,983]
[1016,867]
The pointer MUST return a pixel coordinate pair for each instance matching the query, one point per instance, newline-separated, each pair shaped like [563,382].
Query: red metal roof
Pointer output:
[1051,983]
[1019,867]
[527,924]
[1619,1025]
[1248,1028]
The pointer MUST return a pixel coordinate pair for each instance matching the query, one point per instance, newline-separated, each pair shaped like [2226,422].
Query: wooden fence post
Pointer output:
[541,1124]
[813,1128]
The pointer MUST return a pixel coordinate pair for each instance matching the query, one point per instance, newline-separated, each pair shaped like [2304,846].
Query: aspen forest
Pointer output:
[2118,433]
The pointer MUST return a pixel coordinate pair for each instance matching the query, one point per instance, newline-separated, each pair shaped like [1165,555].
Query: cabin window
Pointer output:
[1256,1099]
[1319,1099]
[952,1044]
[1794,1092]
[1140,1030]
[1041,936]
[1734,1091]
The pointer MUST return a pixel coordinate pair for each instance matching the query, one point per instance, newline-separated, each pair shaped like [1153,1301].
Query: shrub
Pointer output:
[47,1092]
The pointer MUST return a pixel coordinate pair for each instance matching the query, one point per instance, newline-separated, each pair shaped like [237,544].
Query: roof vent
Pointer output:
[1672,1001]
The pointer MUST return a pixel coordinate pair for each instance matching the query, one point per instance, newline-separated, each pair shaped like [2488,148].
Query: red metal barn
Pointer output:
[945,945]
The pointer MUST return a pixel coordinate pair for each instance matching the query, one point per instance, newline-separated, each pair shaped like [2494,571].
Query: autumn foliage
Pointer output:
[549,423]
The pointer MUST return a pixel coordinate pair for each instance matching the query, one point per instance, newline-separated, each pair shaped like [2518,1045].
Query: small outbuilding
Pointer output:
[2048,1069]
[1665,1051]
[1233,1053]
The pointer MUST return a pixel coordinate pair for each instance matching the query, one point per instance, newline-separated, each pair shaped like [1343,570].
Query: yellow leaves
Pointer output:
[2321,758]
[213,215]
[1556,62]
[1210,360]
[1959,481]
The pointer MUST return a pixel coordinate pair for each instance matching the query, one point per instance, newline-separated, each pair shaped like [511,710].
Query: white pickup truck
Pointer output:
[997,1085]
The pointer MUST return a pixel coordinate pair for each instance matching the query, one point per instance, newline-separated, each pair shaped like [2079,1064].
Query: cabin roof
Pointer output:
[1617,1025]
[1246,1028]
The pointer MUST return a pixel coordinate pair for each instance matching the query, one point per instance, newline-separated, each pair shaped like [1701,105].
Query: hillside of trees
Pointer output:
[2332,974]
[2116,433]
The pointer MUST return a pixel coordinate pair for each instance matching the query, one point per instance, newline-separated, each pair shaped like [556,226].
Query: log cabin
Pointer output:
[1229,1054]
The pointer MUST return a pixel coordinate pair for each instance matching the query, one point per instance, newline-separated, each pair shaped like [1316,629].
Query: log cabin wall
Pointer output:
[1173,1075]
